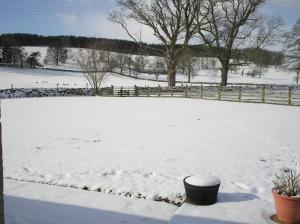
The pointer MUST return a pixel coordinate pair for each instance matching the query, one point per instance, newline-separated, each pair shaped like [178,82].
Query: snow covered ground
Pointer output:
[31,203]
[144,147]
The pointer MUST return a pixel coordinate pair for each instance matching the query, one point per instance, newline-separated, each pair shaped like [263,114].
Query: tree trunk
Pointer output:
[171,64]
[171,77]
[297,78]
[21,62]
[224,73]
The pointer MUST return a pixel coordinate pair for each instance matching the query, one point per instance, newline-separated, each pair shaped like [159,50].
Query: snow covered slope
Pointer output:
[270,76]
[39,78]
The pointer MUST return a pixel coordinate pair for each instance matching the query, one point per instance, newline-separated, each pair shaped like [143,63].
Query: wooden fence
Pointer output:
[283,95]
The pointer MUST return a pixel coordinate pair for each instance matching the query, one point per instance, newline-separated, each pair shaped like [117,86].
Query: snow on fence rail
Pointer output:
[284,95]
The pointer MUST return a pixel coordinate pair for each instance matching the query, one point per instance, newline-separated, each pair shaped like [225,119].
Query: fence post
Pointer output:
[263,95]
[186,91]
[135,90]
[1,175]
[290,96]
[240,93]
[201,91]
[219,93]
[171,91]
[148,91]
[159,94]
[121,91]
[112,90]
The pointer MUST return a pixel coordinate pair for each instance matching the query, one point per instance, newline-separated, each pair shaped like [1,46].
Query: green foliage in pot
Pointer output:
[287,182]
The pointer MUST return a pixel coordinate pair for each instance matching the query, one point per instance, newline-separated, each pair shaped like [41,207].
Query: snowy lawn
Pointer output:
[27,203]
[144,147]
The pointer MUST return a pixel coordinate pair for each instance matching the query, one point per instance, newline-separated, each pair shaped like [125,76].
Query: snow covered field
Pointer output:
[38,78]
[144,147]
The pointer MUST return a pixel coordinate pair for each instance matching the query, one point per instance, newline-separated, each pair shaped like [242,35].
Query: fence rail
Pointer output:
[283,95]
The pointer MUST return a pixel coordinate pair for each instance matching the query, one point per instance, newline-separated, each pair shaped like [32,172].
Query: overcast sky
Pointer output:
[89,17]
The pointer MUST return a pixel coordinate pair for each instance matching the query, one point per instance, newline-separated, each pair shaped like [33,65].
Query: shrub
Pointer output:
[287,182]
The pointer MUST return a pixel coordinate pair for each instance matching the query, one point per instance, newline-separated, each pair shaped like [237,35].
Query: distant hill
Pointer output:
[125,46]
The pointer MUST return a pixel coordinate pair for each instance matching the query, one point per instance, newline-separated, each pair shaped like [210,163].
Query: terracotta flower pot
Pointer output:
[287,208]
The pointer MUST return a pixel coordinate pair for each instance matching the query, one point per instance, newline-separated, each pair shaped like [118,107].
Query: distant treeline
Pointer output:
[264,57]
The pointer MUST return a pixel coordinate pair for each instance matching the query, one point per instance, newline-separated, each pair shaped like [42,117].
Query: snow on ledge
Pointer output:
[203,180]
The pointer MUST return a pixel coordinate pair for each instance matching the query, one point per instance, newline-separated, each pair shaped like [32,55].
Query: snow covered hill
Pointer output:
[27,78]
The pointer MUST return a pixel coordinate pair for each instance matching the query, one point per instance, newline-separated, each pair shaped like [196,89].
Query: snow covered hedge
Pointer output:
[43,92]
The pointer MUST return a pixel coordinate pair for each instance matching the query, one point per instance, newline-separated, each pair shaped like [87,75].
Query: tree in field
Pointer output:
[33,59]
[292,49]
[172,22]
[129,64]
[7,54]
[14,55]
[158,66]
[226,25]
[93,63]
[110,60]
[21,56]
[121,60]
[139,63]
[187,63]
[56,54]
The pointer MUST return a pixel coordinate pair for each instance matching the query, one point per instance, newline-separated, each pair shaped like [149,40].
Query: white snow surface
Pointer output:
[148,145]
[203,180]
[31,203]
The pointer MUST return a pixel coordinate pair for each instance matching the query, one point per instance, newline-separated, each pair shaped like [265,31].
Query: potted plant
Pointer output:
[286,193]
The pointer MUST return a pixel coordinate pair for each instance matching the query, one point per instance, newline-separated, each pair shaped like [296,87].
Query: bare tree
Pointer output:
[172,22]
[225,25]
[292,49]
[121,60]
[158,66]
[56,54]
[139,63]
[129,64]
[188,62]
[92,63]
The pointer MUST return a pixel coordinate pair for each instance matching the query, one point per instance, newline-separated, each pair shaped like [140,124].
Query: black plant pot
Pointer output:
[201,195]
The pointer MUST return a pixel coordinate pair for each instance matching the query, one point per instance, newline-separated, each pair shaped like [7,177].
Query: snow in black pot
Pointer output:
[201,190]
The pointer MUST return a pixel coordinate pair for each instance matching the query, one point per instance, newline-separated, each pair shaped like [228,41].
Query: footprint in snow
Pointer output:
[97,140]
[151,174]
[27,169]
